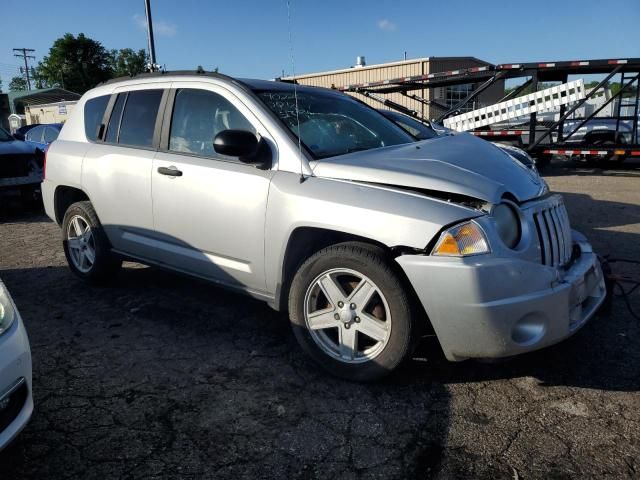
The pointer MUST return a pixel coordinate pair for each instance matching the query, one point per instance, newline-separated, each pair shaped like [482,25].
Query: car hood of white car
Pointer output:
[459,164]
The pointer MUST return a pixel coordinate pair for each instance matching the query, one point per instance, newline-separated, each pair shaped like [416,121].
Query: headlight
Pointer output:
[507,224]
[7,312]
[462,240]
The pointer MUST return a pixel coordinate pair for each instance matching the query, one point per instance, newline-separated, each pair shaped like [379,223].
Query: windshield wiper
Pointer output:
[337,154]
[356,149]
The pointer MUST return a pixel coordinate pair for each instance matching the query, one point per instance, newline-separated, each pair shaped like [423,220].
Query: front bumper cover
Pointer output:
[487,307]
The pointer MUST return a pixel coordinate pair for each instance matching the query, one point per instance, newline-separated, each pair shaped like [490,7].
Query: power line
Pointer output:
[26,58]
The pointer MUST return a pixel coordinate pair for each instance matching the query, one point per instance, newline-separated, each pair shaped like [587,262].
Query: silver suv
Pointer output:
[312,201]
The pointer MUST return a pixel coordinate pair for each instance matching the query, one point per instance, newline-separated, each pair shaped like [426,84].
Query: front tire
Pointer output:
[350,312]
[86,245]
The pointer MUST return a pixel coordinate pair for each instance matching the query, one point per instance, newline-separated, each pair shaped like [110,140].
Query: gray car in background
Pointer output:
[319,205]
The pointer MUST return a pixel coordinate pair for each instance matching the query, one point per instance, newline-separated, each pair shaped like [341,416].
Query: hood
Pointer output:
[15,147]
[460,164]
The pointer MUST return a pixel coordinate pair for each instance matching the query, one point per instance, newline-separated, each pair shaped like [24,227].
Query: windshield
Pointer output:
[332,124]
[5,136]
[411,125]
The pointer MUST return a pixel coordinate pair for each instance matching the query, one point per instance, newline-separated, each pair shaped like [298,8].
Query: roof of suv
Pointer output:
[251,83]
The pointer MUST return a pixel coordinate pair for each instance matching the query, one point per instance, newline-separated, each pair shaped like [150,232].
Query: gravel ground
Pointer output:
[162,376]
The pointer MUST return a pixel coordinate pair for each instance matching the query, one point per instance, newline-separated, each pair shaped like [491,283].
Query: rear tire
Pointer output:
[86,245]
[351,313]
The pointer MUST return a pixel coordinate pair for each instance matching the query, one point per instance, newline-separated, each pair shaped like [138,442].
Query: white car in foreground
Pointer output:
[16,400]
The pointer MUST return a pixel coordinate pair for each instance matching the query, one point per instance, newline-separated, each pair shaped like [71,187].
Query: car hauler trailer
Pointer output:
[618,138]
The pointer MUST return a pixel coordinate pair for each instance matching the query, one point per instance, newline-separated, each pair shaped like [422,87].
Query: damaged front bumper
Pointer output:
[487,307]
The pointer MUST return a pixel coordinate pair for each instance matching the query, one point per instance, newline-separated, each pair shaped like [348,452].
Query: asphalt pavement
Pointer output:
[162,376]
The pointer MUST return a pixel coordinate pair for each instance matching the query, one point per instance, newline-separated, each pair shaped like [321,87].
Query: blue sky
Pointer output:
[250,38]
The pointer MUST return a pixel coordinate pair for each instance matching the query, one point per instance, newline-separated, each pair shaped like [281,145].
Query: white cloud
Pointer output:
[160,27]
[386,25]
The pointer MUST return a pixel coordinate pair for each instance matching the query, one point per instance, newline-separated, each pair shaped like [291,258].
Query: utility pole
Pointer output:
[24,54]
[152,66]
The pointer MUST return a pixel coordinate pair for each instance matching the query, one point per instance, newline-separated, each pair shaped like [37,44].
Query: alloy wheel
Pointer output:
[81,244]
[347,315]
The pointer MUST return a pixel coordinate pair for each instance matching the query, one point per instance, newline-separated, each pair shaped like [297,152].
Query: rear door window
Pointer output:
[139,118]
[93,112]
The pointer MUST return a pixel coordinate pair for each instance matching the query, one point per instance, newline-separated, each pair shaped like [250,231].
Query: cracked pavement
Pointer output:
[162,376]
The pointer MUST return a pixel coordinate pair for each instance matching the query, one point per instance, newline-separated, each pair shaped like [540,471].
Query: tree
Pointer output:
[127,62]
[75,63]
[17,83]
[614,88]
[38,81]
[527,90]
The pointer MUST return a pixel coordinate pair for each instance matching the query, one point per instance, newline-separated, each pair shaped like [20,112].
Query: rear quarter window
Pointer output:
[93,112]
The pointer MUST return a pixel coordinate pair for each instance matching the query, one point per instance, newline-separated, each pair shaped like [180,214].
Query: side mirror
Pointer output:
[236,143]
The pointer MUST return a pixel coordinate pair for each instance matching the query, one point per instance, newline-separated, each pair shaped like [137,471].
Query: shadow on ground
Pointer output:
[168,376]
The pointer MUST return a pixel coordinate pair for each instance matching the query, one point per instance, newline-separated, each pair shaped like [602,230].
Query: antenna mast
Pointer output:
[152,66]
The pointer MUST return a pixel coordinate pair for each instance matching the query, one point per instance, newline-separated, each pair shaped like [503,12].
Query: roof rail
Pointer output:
[166,72]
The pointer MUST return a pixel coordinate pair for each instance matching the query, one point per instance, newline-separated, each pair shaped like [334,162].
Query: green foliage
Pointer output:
[17,84]
[614,88]
[127,62]
[80,63]
[75,63]
[37,80]
[527,90]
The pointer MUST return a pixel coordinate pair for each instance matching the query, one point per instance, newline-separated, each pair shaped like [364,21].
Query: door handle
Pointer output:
[170,171]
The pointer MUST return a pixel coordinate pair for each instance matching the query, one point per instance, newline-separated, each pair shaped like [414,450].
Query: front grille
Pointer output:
[11,403]
[554,233]
[14,165]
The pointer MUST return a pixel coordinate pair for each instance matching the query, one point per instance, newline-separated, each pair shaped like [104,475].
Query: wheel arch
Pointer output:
[64,196]
[306,241]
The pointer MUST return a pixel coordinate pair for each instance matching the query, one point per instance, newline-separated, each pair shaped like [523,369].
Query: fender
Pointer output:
[384,215]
